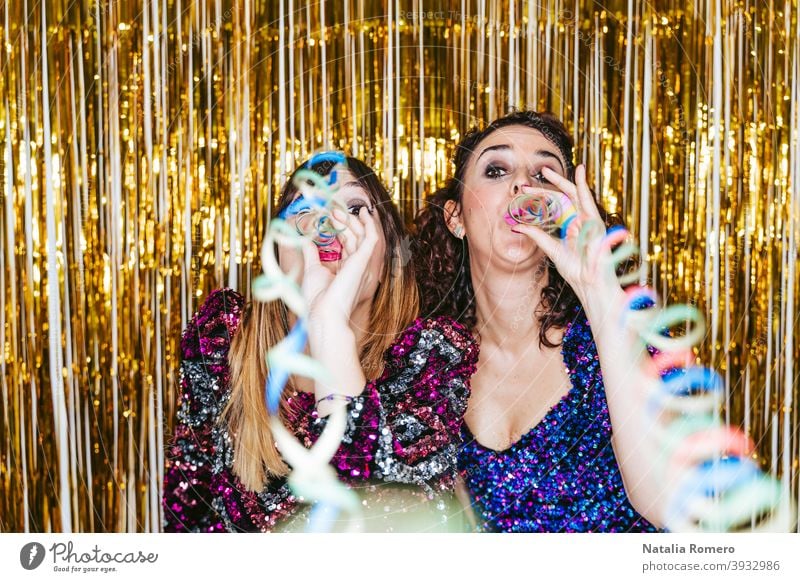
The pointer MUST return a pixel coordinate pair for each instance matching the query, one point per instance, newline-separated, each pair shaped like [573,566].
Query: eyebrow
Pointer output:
[362,194]
[358,186]
[542,153]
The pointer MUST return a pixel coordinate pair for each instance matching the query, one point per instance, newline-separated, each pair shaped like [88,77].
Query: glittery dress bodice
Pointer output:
[562,475]
[398,452]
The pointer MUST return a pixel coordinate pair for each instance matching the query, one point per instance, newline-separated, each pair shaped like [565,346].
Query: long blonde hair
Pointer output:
[396,304]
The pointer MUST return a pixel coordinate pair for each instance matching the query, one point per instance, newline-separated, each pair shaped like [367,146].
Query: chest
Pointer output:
[512,393]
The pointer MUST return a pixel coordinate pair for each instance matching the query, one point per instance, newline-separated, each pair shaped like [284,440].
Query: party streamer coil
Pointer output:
[312,479]
[720,488]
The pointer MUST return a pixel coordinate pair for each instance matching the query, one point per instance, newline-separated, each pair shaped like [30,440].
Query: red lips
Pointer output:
[331,252]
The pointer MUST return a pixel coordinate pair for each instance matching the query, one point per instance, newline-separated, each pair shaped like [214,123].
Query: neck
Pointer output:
[505,304]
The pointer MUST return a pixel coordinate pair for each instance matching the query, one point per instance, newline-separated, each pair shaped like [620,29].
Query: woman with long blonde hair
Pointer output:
[404,379]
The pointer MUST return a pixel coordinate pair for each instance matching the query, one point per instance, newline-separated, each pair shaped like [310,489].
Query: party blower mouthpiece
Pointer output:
[552,211]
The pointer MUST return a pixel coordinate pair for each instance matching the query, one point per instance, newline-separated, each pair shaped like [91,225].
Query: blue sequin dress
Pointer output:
[561,476]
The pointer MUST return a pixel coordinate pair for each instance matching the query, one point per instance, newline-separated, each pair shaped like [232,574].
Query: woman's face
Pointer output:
[505,162]
[353,197]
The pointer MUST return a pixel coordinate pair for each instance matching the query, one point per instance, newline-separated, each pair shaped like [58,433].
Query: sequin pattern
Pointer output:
[405,427]
[562,475]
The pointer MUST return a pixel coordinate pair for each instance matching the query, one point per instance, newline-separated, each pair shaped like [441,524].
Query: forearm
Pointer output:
[626,378]
[333,344]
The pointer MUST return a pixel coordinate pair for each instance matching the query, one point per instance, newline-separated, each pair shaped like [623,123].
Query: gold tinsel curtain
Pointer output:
[143,143]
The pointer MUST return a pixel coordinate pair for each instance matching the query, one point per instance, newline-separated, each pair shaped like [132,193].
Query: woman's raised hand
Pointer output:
[333,296]
[582,258]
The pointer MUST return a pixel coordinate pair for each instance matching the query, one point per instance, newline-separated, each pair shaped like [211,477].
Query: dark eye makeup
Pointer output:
[495,171]
[355,205]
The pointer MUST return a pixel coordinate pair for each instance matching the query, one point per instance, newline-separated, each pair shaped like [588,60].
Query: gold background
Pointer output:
[143,143]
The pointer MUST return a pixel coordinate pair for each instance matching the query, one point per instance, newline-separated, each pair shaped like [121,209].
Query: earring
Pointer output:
[459,232]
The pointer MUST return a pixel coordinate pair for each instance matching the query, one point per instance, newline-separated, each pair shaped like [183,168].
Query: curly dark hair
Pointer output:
[442,260]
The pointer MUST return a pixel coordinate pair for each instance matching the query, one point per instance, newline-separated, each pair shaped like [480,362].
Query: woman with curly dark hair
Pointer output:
[537,452]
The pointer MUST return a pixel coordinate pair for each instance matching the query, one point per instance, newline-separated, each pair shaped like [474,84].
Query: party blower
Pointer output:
[552,211]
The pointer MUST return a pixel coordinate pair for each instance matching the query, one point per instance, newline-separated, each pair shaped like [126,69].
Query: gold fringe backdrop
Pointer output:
[143,143]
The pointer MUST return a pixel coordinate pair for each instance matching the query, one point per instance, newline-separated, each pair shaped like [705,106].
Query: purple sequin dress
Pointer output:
[404,429]
[562,475]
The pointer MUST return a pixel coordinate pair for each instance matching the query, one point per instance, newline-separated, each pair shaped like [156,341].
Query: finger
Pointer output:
[369,220]
[573,229]
[362,255]
[563,184]
[351,221]
[310,253]
[552,247]
[589,238]
[348,240]
[354,272]
[344,233]
[585,196]
[365,224]
[589,243]
[358,222]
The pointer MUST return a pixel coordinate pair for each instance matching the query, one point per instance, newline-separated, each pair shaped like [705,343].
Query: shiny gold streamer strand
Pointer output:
[790,416]
[56,355]
[144,144]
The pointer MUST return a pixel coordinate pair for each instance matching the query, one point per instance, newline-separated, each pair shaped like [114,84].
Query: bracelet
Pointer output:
[343,397]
